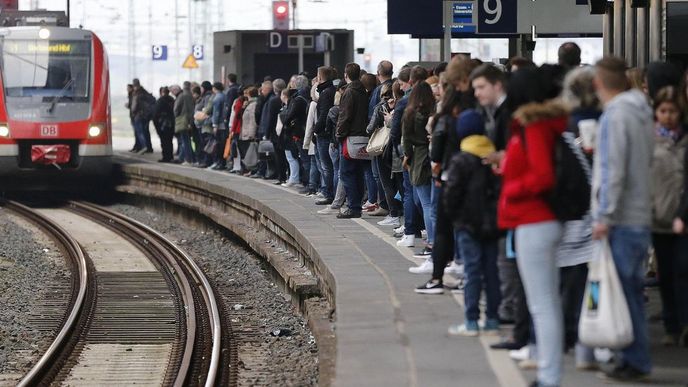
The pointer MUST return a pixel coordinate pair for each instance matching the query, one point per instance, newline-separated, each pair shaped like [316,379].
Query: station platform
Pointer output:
[387,335]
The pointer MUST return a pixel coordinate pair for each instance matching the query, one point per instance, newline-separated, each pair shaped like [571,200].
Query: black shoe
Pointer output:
[164,161]
[624,373]
[324,202]
[177,161]
[218,168]
[425,253]
[430,287]
[134,150]
[149,150]
[273,177]
[510,345]
[348,214]
[279,182]
[303,191]
[202,166]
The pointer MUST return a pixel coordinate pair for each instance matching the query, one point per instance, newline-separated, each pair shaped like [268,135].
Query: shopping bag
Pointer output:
[228,147]
[210,146]
[251,158]
[605,320]
[354,148]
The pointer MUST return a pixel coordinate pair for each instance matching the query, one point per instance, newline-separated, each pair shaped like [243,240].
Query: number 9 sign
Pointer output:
[159,52]
[497,16]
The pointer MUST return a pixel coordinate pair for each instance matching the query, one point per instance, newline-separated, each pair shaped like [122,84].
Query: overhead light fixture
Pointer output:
[44,33]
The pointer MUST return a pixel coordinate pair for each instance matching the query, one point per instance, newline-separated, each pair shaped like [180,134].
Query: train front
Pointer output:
[55,126]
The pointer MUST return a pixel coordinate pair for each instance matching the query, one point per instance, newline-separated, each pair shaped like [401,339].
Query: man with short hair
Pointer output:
[274,106]
[266,94]
[385,70]
[231,94]
[569,55]
[353,120]
[326,93]
[621,199]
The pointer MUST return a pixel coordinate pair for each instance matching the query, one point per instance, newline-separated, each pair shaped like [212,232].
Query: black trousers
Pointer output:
[443,250]
[221,138]
[573,279]
[672,264]
[166,134]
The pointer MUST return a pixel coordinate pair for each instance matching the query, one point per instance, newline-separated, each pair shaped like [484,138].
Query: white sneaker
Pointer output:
[288,184]
[407,241]
[424,235]
[423,268]
[186,164]
[520,354]
[400,229]
[328,210]
[213,165]
[454,269]
[389,221]
[142,151]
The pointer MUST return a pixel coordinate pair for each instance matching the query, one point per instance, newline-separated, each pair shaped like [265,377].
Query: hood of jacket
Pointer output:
[357,86]
[632,103]
[540,111]
[478,145]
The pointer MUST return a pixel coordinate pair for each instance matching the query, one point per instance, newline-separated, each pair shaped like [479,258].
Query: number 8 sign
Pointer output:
[497,16]
[197,51]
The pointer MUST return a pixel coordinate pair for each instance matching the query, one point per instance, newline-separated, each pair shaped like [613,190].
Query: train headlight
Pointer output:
[94,131]
[44,33]
[4,131]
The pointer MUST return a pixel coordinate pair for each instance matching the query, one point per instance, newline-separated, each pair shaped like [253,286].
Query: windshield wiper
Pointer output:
[59,95]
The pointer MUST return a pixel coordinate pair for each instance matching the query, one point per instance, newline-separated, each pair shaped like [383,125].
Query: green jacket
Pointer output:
[417,149]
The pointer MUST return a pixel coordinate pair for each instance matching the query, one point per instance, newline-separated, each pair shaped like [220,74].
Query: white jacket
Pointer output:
[312,117]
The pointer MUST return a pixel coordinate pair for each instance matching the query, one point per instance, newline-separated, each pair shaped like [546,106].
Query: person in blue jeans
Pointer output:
[470,197]
[621,200]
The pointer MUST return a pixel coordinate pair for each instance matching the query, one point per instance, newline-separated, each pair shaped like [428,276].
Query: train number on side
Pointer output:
[49,131]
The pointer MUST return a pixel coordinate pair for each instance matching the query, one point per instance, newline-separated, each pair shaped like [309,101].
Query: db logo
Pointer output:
[49,131]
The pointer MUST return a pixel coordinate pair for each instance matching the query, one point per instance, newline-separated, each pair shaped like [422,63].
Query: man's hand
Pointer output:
[679,226]
[405,164]
[494,158]
[600,231]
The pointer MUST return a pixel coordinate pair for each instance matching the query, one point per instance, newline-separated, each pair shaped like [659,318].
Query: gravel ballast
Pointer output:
[275,346]
[34,295]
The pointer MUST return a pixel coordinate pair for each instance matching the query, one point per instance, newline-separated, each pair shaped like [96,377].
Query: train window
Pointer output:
[45,73]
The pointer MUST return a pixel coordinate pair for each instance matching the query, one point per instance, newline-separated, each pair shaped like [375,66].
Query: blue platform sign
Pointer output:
[197,51]
[159,52]
[463,17]
[497,16]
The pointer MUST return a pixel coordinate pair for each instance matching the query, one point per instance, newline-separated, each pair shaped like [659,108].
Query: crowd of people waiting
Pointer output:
[462,156]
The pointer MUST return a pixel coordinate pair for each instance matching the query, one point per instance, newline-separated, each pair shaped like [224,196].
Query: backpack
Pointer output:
[570,197]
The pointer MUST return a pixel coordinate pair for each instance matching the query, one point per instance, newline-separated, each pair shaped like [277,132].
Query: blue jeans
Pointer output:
[375,165]
[294,166]
[141,128]
[327,167]
[314,175]
[185,151]
[480,268]
[409,206]
[352,174]
[370,184]
[536,246]
[629,246]
[424,194]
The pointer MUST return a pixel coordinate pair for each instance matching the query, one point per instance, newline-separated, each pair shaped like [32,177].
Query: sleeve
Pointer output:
[374,100]
[438,141]
[406,134]
[345,115]
[454,190]
[613,154]
[325,103]
[539,178]
[310,124]
[395,133]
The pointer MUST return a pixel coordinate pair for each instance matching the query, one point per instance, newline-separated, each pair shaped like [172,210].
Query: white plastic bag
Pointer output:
[605,320]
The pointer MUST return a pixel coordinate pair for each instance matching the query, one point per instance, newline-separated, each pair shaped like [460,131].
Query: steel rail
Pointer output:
[163,244]
[77,256]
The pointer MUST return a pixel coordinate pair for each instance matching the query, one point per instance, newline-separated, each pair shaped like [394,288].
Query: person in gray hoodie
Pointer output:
[621,199]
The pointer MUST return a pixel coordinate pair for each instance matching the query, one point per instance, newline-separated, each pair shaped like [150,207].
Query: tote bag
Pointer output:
[378,141]
[605,320]
[355,148]
[251,157]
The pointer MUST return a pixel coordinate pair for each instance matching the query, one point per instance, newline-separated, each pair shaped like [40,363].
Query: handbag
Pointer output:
[210,146]
[228,147]
[378,141]
[605,320]
[251,157]
[266,146]
[397,160]
[354,148]
[200,116]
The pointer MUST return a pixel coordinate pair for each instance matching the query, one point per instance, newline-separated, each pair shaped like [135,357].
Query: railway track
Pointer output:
[141,310]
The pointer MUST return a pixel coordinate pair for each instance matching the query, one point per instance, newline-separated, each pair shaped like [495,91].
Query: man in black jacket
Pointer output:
[295,125]
[269,125]
[326,92]
[163,120]
[353,120]
[231,94]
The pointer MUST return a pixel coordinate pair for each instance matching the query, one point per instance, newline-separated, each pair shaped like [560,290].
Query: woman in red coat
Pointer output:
[528,175]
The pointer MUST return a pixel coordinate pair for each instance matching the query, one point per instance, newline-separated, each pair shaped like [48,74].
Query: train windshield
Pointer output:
[46,78]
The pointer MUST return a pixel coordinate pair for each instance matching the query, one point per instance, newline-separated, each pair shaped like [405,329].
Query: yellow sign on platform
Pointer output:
[190,62]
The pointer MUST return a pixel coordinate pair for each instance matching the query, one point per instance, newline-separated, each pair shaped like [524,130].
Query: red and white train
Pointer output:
[54,107]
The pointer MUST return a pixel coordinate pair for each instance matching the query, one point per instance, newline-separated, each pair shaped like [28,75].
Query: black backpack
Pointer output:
[570,197]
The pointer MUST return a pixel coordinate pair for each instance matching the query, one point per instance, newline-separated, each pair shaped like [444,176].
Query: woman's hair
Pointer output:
[451,101]
[636,78]
[579,91]
[421,100]
[397,93]
[251,91]
[386,90]
[533,85]
[337,97]
[668,94]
